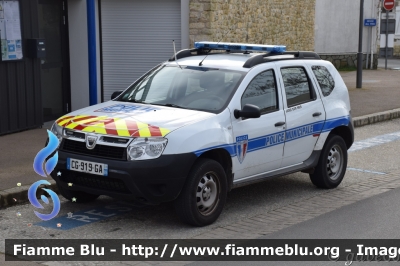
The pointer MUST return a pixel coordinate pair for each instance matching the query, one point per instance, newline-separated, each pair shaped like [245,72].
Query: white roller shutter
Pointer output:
[136,36]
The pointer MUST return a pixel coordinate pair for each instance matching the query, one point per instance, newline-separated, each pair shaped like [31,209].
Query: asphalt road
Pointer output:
[377,217]
[375,156]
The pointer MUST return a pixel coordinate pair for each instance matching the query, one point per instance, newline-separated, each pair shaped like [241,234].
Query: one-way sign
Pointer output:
[388,4]
[370,22]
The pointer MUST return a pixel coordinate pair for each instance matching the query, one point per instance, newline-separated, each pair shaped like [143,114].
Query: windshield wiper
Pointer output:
[174,105]
[133,101]
[170,105]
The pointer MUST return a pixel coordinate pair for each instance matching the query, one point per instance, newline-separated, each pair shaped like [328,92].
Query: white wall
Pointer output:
[78,52]
[337,25]
[397,36]
[79,56]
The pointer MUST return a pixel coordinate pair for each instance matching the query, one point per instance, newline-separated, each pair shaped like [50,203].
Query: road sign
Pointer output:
[371,22]
[388,4]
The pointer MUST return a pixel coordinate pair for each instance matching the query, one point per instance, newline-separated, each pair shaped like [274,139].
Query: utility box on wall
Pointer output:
[36,48]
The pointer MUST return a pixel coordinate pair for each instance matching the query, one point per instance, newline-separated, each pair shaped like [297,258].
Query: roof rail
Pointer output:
[264,58]
[193,52]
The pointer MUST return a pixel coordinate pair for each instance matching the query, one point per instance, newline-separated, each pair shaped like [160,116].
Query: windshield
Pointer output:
[197,88]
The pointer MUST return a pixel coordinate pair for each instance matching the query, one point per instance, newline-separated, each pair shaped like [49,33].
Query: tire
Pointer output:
[332,164]
[204,194]
[80,196]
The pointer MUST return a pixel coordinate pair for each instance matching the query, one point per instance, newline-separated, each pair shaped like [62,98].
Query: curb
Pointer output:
[376,117]
[21,193]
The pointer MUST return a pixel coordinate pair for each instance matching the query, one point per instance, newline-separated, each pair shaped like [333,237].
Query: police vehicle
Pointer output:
[210,119]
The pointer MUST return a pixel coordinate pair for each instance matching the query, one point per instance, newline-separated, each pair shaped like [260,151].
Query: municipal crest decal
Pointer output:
[241,147]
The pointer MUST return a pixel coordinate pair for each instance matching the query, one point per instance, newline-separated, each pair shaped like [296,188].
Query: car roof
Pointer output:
[237,61]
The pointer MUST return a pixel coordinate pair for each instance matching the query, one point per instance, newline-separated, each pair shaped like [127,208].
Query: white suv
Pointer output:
[205,122]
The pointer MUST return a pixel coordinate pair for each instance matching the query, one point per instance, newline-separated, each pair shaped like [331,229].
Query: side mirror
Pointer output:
[115,94]
[248,111]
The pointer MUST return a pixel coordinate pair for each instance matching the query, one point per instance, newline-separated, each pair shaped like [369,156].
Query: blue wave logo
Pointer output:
[44,168]
[39,164]
[32,198]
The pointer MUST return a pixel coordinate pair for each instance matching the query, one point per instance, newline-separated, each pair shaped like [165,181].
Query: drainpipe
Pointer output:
[91,26]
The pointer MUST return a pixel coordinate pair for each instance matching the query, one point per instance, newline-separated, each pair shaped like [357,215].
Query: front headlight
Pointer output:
[57,130]
[146,148]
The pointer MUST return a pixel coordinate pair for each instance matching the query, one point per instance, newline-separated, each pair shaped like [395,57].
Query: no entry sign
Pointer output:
[388,4]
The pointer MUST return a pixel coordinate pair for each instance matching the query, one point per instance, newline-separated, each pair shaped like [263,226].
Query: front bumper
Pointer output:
[149,182]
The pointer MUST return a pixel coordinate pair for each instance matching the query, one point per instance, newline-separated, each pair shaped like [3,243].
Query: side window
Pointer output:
[325,79]
[262,92]
[297,86]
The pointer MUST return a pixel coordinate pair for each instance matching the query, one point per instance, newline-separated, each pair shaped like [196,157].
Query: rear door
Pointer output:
[304,111]
[259,141]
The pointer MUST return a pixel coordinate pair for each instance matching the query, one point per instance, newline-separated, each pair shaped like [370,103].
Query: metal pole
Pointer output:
[372,51]
[366,63]
[360,40]
[387,34]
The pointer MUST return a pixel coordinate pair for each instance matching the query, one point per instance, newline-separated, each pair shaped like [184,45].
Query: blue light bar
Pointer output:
[240,47]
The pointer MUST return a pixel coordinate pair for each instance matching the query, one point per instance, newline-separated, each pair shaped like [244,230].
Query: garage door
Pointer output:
[136,36]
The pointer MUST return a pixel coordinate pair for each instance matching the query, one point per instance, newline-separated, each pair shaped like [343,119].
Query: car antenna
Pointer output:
[173,43]
[201,63]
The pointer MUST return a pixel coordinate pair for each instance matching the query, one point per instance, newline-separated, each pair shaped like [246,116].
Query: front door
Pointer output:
[55,81]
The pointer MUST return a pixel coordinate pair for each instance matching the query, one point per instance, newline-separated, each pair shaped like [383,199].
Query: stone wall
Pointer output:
[349,60]
[287,22]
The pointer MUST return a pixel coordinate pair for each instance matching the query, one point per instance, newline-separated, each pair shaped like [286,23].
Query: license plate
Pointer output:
[87,167]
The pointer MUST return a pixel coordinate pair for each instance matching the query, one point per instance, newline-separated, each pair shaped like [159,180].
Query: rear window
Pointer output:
[325,79]
[297,86]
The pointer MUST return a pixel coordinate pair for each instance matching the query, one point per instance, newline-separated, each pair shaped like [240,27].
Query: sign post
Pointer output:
[387,5]
[371,22]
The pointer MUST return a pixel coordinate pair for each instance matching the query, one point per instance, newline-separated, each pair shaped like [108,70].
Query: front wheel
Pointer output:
[204,194]
[332,164]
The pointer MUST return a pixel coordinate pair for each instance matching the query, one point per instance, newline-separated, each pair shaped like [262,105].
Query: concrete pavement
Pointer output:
[378,100]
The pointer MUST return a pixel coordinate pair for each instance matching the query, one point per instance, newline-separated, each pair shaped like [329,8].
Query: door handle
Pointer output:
[279,124]
[316,114]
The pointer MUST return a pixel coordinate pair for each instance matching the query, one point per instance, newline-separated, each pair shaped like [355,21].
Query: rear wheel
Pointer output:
[76,196]
[332,164]
[204,194]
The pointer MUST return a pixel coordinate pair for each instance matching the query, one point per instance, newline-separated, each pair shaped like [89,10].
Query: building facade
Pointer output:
[96,47]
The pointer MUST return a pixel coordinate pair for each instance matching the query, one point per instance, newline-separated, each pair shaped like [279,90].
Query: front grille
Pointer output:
[74,134]
[102,151]
[93,181]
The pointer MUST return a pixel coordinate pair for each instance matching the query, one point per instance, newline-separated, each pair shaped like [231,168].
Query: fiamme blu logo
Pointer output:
[44,168]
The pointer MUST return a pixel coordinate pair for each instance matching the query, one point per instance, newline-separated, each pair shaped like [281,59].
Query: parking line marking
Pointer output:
[375,141]
[365,171]
[85,217]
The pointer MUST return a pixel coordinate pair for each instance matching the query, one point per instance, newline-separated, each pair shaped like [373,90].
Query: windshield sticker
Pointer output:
[126,109]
